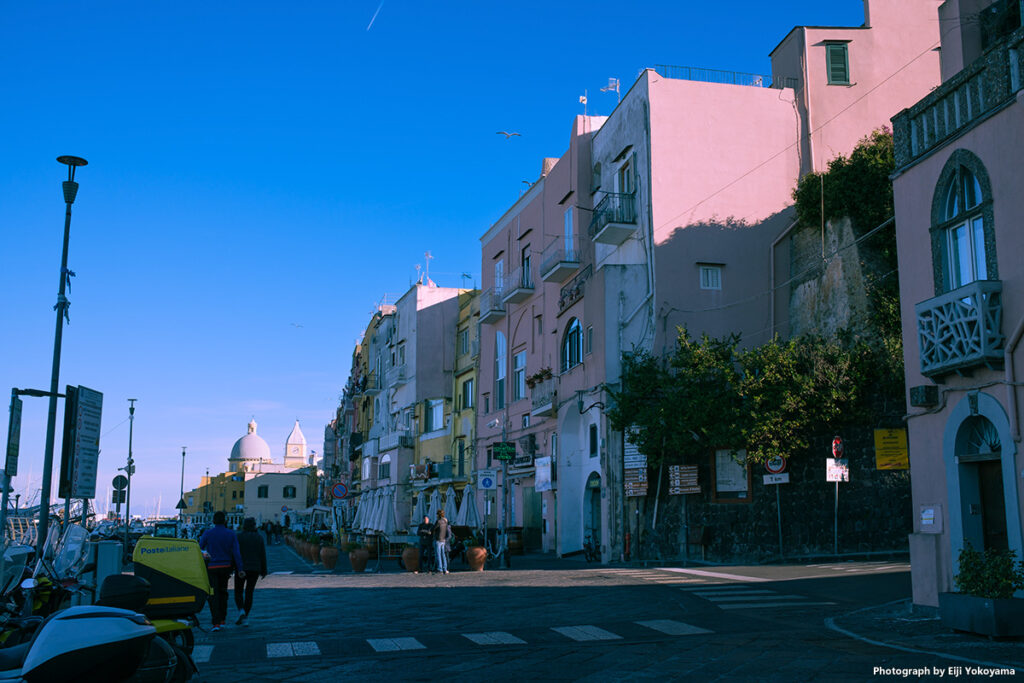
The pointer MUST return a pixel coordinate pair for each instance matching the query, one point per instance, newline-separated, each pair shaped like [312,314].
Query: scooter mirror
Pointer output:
[29,583]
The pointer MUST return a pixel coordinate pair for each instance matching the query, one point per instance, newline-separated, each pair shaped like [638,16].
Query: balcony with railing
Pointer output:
[980,89]
[492,308]
[691,73]
[397,375]
[518,286]
[558,263]
[464,362]
[542,398]
[401,438]
[370,384]
[961,330]
[614,218]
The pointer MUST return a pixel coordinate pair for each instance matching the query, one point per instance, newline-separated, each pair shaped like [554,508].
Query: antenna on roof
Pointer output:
[583,101]
[427,256]
[613,86]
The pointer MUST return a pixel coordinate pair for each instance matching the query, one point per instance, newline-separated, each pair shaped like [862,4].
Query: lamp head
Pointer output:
[72,162]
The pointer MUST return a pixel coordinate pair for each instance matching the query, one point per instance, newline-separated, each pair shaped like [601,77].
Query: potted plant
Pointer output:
[985,602]
[357,556]
[411,558]
[328,553]
[476,555]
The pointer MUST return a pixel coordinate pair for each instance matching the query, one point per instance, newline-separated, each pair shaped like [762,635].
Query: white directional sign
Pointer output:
[837,469]
[86,450]
[776,478]
[487,479]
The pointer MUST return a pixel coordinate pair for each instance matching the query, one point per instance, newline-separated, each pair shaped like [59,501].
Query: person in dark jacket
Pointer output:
[442,537]
[221,546]
[425,531]
[254,562]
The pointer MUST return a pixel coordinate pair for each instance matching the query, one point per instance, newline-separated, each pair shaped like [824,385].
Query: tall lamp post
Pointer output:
[129,469]
[70,191]
[181,495]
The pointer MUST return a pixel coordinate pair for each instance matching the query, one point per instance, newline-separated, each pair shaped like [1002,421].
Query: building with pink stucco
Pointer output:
[958,212]
[674,211]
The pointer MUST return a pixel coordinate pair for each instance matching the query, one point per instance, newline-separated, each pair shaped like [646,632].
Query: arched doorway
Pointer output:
[979,456]
[592,509]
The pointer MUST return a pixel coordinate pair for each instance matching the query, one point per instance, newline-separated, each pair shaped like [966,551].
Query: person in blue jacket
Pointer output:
[220,545]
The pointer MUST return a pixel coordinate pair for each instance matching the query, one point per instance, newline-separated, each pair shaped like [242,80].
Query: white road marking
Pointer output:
[765,605]
[715,575]
[586,632]
[301,649]
[280,573]
[395,644]
[494,638]
[714,593]
[672,628]
[201,653]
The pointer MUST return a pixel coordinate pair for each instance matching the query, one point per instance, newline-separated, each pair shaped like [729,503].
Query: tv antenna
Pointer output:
[613,86]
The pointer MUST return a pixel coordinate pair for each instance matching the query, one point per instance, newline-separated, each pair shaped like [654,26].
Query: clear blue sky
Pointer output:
[261,173]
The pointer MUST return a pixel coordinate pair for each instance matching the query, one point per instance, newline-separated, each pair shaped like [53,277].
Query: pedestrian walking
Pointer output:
[442,534]
[425,531]
[221,546]
[254,564]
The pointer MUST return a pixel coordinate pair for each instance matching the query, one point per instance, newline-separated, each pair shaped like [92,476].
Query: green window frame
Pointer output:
[837,63]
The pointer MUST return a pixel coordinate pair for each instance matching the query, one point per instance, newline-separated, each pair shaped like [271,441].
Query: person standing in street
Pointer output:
[425,532]
[442,534]
[254,563]
[221,545]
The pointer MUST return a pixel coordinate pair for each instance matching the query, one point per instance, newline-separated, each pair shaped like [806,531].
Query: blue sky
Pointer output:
[261,173]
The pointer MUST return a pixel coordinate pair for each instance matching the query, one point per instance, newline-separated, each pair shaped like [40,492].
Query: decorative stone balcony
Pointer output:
[397,375]
[492,308]
[614,218]
[559,263]
[398,439]
[961,330]
[518,286]
[979,90]
[372,386]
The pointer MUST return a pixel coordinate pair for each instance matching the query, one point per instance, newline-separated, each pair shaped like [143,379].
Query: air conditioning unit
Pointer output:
[529,443]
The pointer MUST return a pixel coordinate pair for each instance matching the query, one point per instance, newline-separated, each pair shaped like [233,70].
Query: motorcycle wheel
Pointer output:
[183,639]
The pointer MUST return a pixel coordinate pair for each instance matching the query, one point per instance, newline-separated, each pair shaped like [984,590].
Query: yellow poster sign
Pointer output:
[891,449]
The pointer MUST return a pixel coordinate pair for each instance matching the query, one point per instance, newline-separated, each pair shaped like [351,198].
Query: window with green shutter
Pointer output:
[837,64]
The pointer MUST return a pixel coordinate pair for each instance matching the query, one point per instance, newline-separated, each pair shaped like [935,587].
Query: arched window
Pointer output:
[384,469]
[500,351]
[962,234]
[572,345]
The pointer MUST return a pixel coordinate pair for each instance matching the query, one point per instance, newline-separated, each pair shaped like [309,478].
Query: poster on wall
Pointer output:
[542,473]
[731,477]
[891,449]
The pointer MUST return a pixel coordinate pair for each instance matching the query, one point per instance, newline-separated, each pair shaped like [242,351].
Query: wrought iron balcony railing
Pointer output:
[492,308]
[558,263]
[690,73]
[614,218]
[962,329]
[518,286]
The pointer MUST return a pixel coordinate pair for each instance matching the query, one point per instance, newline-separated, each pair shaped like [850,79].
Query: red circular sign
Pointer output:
[775,465]
[837,448]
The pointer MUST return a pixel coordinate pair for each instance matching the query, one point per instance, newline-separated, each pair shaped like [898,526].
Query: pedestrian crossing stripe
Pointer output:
[301,649]
[395,644]
[776,604]
[201,653]
[586,632]
[672,628]
[494,638]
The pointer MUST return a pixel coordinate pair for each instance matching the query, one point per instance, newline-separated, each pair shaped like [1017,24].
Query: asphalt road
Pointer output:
[579,623]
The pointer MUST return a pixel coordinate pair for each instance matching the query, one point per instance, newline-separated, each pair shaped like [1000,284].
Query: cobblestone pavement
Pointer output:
[560,621]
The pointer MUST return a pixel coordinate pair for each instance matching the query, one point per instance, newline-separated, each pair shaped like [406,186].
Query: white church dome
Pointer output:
[250,448]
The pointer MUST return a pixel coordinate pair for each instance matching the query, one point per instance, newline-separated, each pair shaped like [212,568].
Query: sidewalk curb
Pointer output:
[831,625]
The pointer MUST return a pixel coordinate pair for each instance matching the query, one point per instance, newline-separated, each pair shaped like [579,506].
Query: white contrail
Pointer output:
[374,17]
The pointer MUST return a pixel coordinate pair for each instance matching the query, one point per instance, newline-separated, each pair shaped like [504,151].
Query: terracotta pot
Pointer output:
[314,553]
[411,559]
[358,559]
[476,555]
[329,556]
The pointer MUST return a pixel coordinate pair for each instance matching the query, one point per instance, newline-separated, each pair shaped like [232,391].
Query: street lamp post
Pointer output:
[129,469]
[70,192]
[181,494]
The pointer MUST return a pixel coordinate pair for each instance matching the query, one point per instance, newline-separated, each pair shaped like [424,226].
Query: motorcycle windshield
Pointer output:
[70,553]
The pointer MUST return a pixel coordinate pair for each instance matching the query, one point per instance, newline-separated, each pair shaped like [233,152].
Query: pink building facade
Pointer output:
[958,212]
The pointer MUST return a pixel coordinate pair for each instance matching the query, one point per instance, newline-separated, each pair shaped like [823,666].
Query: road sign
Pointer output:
[284,508]
[634,461]
[682,479]
[837,447]
[776,479]
[837,469]
[487,479]
[83,412]
[13,437]
[775,465]
[339,490]
[504,450]
[181,505]
[118,497]
[120,482]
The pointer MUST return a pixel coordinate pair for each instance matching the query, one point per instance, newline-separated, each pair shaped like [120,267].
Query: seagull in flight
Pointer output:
[296,325]
[507,135]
